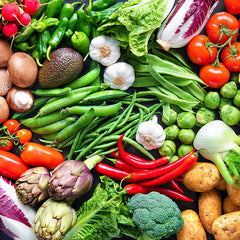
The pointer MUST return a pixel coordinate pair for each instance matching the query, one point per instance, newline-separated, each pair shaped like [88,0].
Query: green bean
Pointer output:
[52,92]
[82,121]
[45,120]
[85,79]
[67,143]
[54,127]
[75,142]
[106,110]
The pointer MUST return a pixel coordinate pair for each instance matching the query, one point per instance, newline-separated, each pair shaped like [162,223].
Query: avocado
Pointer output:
[65,65]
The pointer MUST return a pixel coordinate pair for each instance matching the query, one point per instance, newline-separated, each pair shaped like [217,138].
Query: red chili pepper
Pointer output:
[115,154]
[38,155]
[190,159]
[174,185]
[11,166]
[152,173]
[138,161]
[133,188]
[111,172]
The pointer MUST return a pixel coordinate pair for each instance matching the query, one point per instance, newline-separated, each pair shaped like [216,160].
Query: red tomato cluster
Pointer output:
[218,52]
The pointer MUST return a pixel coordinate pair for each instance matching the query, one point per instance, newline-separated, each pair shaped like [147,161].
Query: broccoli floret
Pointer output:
[155,214]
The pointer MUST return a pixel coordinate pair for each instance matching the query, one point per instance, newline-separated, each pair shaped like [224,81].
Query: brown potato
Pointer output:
[209,208]
[201,177]
[234,194]
[6,52]
[228,206]
[192,228]
[227,226]
[221,186]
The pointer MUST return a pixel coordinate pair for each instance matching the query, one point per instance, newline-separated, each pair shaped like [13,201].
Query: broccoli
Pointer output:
[156,215]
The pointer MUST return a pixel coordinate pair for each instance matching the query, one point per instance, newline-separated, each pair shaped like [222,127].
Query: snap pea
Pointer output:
[66,142]
[97,81]
[50,136]
[51,92]
[54,127]
[40,121]
[106,110]
[85,79]
[82,121]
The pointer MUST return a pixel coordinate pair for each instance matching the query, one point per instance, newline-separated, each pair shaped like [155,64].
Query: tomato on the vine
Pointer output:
[6,145]
[214,76]
[201,51]
[233,6]
[12,125]
[24,135]
[231,57]
[221,26]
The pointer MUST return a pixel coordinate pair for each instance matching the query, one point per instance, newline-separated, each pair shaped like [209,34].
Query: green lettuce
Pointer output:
[134,23]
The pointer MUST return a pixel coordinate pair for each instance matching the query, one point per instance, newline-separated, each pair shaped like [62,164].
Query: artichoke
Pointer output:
[53,219]
[31,187]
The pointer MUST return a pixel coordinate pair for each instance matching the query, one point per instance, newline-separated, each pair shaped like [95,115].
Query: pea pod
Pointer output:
[54,92]
[70,130]
[54,127]
[103,111]
[53,8]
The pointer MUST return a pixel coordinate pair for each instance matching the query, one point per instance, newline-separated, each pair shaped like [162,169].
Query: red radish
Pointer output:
[31,6]
[25,18]
[10,11]
[1,25]
[10,29]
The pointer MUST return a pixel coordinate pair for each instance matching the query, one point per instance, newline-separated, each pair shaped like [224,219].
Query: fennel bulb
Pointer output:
[217,142]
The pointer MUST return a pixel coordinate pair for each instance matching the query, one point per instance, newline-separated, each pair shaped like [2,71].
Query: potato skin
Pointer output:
[209,208]
[227,226]
[228,206]
[201,177]
[192,228]
[234,194]
[222,185]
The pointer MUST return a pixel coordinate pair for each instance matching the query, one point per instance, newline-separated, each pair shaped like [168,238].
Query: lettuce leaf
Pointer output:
[134,23]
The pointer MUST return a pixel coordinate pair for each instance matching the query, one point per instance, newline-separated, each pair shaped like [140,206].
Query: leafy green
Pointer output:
[104,216]
[134,23]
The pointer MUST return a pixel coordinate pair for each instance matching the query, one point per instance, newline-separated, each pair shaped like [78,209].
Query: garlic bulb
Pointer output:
[150,134]
[105,50]
[119,75]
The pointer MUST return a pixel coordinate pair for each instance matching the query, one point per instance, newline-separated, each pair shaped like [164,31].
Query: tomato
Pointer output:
[220,25]
[233,6]
[24,135]
[231,57]
[6,145]
[214,76]
[12,125]
[37,155]
[200,50]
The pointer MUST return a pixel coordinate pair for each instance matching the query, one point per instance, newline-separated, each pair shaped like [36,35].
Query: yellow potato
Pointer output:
[228,206]
[227,226]
[192,228]
[221,186]
[233,192]
[201,177]
[209,208]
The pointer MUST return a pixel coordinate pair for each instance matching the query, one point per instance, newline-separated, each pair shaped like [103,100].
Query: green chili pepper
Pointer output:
[36,55]
[98,16]
[102,4]
[23,46]
[43,42]
[53,8]
[72,25]
[45,23]
[43,6]
[33,40]
[57,36]
[84,22]
[80,42]
[67,10]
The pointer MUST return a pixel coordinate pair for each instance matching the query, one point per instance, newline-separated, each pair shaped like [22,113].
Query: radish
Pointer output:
[10,11]
[25,18]
[31,6]
[10,29]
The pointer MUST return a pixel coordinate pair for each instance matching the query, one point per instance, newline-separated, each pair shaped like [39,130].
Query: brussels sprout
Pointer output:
[212,100]
[236,99]
[172,118]
[173,158]
[186,136]
[171,132]
[168,148]
[225,101]
[204,115]
[228,90]
[230,115]
[184,149]
[186,120]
